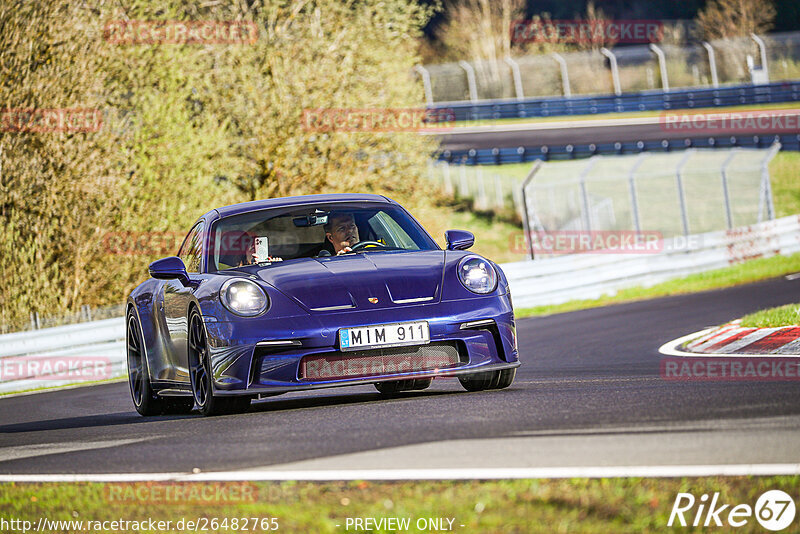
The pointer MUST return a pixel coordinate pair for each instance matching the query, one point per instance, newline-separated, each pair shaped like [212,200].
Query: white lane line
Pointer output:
[45,449]
[793,276]
[431,474]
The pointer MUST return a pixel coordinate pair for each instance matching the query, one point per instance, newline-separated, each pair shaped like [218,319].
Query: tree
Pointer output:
[722,19]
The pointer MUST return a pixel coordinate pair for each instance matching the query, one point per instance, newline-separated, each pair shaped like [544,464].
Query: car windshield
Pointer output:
[282,234]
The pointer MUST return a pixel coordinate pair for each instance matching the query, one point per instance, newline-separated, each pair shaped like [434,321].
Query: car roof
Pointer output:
[255,205]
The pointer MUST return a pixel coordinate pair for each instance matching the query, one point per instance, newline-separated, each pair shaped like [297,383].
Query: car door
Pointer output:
[176,303]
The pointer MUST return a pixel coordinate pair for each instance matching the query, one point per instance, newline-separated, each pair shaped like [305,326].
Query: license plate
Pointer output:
[384,335]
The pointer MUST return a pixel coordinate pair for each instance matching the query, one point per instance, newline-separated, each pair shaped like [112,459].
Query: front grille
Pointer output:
[378,362]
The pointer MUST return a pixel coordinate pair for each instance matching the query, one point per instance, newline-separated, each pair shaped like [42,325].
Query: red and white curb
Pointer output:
[735,340]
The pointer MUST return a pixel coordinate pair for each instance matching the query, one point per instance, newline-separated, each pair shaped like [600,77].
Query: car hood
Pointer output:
[340,283]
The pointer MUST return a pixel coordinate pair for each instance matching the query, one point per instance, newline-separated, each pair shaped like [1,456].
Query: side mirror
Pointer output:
[171,268]
[459,239]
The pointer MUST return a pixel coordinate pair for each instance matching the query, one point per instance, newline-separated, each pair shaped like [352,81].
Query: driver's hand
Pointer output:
[345,250]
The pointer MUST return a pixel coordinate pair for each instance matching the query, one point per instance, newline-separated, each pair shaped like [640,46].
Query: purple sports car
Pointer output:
[298,293]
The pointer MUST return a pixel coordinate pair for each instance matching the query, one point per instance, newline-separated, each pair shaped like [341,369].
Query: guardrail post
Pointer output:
[712,63]
[662,65]
[526,215]
[471,83]
[762,48]
[632,190]
[564,73]
[725,193]
[681,193]
[584,194]
[614,69]
[517,77]
[426,83]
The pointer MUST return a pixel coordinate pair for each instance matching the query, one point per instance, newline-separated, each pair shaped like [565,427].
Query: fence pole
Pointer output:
[564,73]
[483,201]
[516,189]
[426,83]
[681,194]
[725,193]
[526,215]
[500,199]
[462,169]
[614,69]
[662,65]
[712,63]
[517,77]
[471,83]
[448,182]
[766,187]
[762,48]
[584,194]
[632,188]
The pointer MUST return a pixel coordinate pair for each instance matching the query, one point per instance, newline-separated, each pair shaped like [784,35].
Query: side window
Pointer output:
[386,227]
[192,249]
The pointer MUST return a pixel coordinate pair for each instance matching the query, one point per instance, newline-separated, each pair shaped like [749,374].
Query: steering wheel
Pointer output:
[365,244]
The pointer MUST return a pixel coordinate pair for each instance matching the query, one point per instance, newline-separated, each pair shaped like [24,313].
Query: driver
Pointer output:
[342,232]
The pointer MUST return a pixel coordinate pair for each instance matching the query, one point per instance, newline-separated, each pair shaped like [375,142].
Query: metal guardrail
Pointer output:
[500,156]
[588,276]
[59,337]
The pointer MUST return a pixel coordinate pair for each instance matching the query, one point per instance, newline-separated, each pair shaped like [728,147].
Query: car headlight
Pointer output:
[243,297]
[477,275]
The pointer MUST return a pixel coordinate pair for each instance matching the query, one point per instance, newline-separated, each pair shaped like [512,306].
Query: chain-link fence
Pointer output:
[757,59]
[673,193]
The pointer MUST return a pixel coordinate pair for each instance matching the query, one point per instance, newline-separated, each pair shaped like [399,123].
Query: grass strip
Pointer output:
[560,505]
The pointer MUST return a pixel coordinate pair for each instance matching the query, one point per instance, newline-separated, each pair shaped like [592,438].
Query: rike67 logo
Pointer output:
[774,510]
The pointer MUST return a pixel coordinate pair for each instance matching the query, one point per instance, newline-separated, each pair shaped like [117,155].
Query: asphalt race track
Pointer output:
[588,394]
[563,133]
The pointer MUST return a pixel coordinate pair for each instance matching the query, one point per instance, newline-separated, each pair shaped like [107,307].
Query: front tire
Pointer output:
[200,374]
[145,399]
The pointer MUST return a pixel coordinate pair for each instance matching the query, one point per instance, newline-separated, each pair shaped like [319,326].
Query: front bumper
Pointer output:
[263,355]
